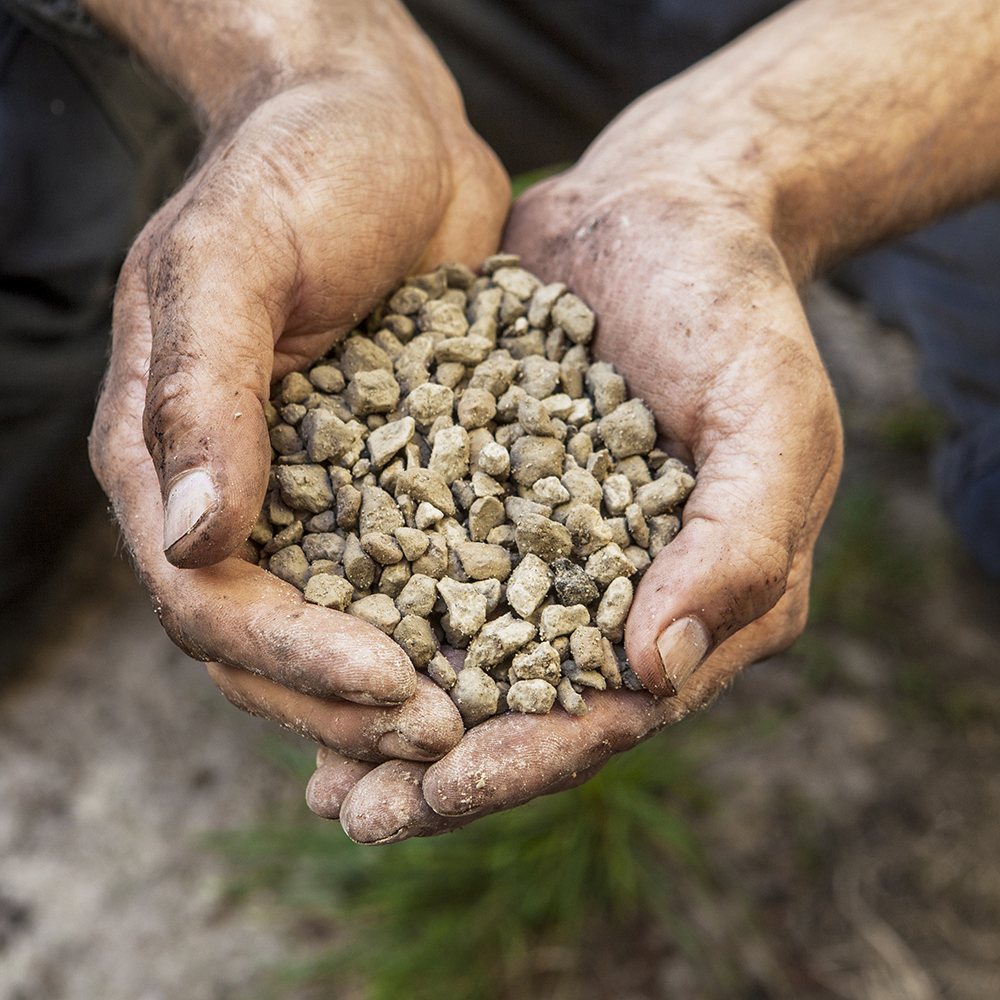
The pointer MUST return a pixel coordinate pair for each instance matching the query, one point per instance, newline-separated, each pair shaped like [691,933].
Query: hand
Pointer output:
[699,314]
[688,226]
[305,209]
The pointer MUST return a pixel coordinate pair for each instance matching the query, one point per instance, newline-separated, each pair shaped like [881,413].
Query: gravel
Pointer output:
[458,472]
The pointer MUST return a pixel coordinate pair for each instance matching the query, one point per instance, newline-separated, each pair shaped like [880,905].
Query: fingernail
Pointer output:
[190,499]
[681,647]
[394,745]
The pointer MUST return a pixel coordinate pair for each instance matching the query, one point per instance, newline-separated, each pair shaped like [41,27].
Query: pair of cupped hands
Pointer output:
[300,215]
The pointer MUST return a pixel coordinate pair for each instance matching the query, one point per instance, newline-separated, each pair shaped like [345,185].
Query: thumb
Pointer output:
[216,299]
[744,553]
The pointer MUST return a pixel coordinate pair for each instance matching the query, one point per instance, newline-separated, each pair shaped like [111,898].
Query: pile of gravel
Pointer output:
[459,472]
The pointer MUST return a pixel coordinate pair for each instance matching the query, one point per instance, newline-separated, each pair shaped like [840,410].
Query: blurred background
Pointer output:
[829,828]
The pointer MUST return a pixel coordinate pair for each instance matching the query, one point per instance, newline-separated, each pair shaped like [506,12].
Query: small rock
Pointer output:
[539,660]
[450,456]
[533,458]
[545,538]
[329,591]
[428,402]
[485,514]
[557,620]
[498,639]
[378,610]
[323,545]
[466,607]
[434,562]
[535,697]
[614,607]
[359,354]
[412,541]
[414,634]
[427,515]
[378,512]
[663,529]
[359,567]
[482,561]
[629,429]
[305,487]
[617,493]
[638,529]
[418,596]
[575,317]
[572,585]
[665,493]
[528,585]
[384,442]
[569,699]
[607,564]
[539,376]
[475,695]
[372,392]
[381,547]
[290,564]
[585,645]
[476,408]
[428,486]
[441,671]
[587,530]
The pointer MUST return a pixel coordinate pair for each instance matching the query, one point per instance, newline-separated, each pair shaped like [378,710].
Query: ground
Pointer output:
[852,840]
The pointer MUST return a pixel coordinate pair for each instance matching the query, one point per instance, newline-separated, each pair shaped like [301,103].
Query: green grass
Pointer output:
[465,916]
[520,183]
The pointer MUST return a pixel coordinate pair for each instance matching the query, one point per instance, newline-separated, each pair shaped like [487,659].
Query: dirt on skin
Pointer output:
[854,841]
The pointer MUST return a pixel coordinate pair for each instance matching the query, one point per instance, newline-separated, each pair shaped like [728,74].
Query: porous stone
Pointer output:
[429,401]
[450,456]
[557,620]
[305,487]
[441,671]
[482,561]
[537,661]
[535,697]
[329,591]
[427,486]
[570,699]
[587,529]
[378,610]
[614,607]
[574,316]
[629,429]
[476,408]
[417,596]
[572,585]
[529,585]
[387,440]
[359,567]
[585,646]
[360,354]
[607,564]
[372,392]
[290,564]
[499,639]
[663,529]
[485,514]
[533,458]
[475,695]
[466,607]
[378,512]
[539,376]
[381,547]
[412,541]
[414,634]
[545,538]
[662,495]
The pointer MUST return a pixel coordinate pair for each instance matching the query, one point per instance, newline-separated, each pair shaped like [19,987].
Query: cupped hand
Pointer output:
[299,217]
[698,312]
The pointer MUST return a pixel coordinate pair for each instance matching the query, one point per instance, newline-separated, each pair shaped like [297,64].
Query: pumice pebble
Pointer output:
[459,473]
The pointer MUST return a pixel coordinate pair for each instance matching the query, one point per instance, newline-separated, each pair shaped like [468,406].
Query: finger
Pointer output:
[748,531]
[231,612]
[423,728]
[334,777]
[387,805]
[512,758]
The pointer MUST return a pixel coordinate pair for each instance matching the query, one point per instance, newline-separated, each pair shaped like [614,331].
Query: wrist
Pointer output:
[227,57]
[831,126]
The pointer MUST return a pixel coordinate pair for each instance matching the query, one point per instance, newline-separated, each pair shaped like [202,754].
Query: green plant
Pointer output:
[463,917]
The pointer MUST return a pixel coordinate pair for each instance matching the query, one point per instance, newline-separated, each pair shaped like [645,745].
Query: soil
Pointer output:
[853,841]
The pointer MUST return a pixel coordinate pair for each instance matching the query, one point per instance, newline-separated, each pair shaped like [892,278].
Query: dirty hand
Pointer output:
[697,311]
[688,226]
[327,174]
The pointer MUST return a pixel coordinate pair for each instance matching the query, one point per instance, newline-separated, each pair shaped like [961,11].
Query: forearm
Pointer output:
[835,124]
[226,56]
